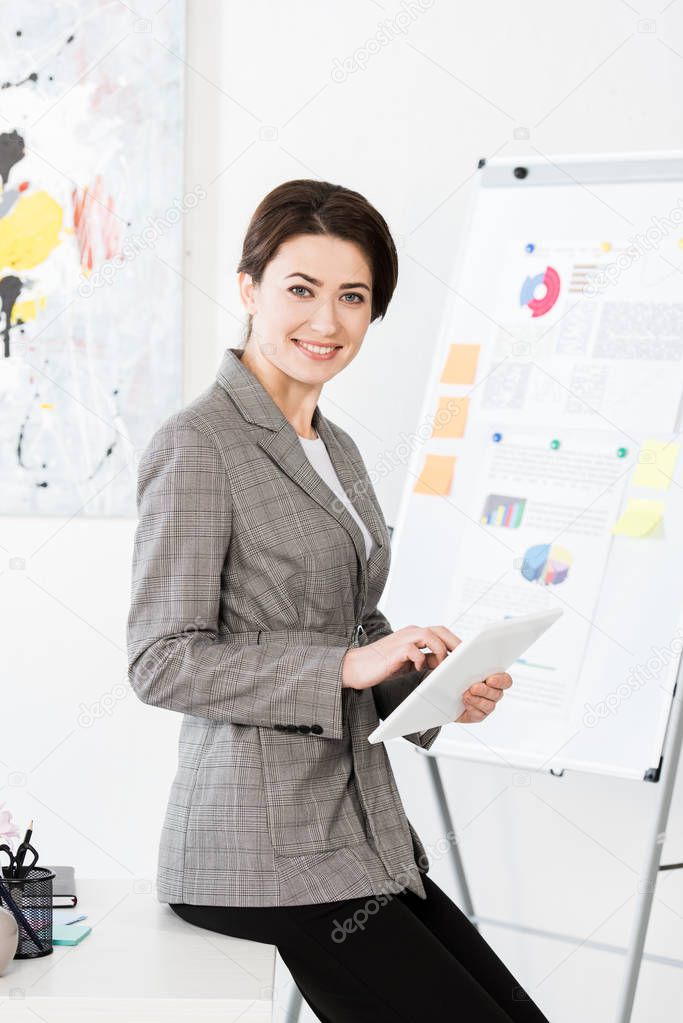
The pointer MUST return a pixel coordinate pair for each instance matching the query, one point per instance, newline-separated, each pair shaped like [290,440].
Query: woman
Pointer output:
[260,555]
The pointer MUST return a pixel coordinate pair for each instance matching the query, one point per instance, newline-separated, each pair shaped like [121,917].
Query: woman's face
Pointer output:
[316,289]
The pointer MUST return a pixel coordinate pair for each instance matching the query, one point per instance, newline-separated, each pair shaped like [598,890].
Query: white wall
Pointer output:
[457,83]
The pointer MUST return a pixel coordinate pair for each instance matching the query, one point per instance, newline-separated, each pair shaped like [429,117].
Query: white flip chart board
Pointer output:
[545,466]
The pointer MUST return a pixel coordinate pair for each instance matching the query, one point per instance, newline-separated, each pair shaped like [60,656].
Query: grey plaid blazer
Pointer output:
[249,584]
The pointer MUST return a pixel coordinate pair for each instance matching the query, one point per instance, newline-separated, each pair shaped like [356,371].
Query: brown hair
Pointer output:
[307,206]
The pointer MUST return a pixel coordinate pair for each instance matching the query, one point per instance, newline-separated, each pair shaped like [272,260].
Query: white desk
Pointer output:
[141,962]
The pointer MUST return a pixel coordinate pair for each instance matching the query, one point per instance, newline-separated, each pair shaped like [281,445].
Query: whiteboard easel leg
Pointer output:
[448,828]
[294,1005]
[646,885]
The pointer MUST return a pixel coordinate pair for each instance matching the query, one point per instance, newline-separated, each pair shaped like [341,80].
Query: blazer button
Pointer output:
[291,728]
[317,729]
[304,728]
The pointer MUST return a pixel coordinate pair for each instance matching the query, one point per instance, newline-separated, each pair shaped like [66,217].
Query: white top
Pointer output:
[317,455]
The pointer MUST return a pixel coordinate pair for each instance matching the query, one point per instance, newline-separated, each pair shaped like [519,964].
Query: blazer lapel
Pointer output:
[282,444]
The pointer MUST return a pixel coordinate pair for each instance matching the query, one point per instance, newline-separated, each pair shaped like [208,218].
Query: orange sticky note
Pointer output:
[436,476]
[461,364]
[451,417]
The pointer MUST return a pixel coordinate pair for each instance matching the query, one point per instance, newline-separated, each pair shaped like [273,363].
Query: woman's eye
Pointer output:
[350,294]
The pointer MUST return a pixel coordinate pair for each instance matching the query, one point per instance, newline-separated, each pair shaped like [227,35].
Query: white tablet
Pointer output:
[438,698]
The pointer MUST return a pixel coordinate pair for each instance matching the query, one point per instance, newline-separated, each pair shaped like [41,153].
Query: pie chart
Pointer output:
[550,279]
[546,564]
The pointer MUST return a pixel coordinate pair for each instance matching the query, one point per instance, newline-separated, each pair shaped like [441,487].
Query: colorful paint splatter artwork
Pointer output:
[91,221]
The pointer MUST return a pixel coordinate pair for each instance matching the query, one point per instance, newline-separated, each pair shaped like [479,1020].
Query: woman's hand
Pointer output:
[394,655]
[481,698]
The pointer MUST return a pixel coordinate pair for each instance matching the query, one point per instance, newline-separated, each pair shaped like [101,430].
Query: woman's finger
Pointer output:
[419,658]
[470,716]
[449,638]
[483,689]
[432,661]
[480,702]
[426,637]
[500,681]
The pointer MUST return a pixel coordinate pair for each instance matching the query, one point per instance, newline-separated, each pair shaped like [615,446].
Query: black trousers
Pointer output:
[382,958]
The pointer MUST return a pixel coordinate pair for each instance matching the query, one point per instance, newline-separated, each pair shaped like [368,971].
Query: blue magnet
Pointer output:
[497,437]
[530,247]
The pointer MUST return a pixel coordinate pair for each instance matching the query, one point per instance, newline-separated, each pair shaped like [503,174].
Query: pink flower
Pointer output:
[8,828]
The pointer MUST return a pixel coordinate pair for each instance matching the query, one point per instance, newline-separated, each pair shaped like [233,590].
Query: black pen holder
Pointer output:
[32,899]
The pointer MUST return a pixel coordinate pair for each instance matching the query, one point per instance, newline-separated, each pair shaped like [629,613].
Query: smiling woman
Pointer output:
[318,266]
[260,556]
[318,209]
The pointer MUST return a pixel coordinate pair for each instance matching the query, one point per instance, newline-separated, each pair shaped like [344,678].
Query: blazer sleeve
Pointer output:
[390,693]
[176,659]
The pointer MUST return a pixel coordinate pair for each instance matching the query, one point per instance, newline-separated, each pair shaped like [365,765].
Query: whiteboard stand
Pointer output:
[665,777]
[646,888]
[295,1003]
[449,829]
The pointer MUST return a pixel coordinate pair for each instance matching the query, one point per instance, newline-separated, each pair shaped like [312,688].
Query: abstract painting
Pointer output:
[91,222]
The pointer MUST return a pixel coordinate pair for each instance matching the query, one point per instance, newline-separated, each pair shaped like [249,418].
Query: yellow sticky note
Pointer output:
[451,417]
[656,462]
[641,517]
[461,364]
[436,476]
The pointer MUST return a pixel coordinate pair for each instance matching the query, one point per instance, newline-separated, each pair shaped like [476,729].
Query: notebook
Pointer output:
[69,934]
[63,887]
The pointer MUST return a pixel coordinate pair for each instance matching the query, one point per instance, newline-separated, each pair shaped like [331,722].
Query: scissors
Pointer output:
[17,868]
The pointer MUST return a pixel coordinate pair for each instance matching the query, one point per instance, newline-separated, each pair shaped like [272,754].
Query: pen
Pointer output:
[20,918]
[22,848]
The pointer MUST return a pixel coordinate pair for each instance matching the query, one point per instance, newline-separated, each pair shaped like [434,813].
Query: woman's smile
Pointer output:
[314,350]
